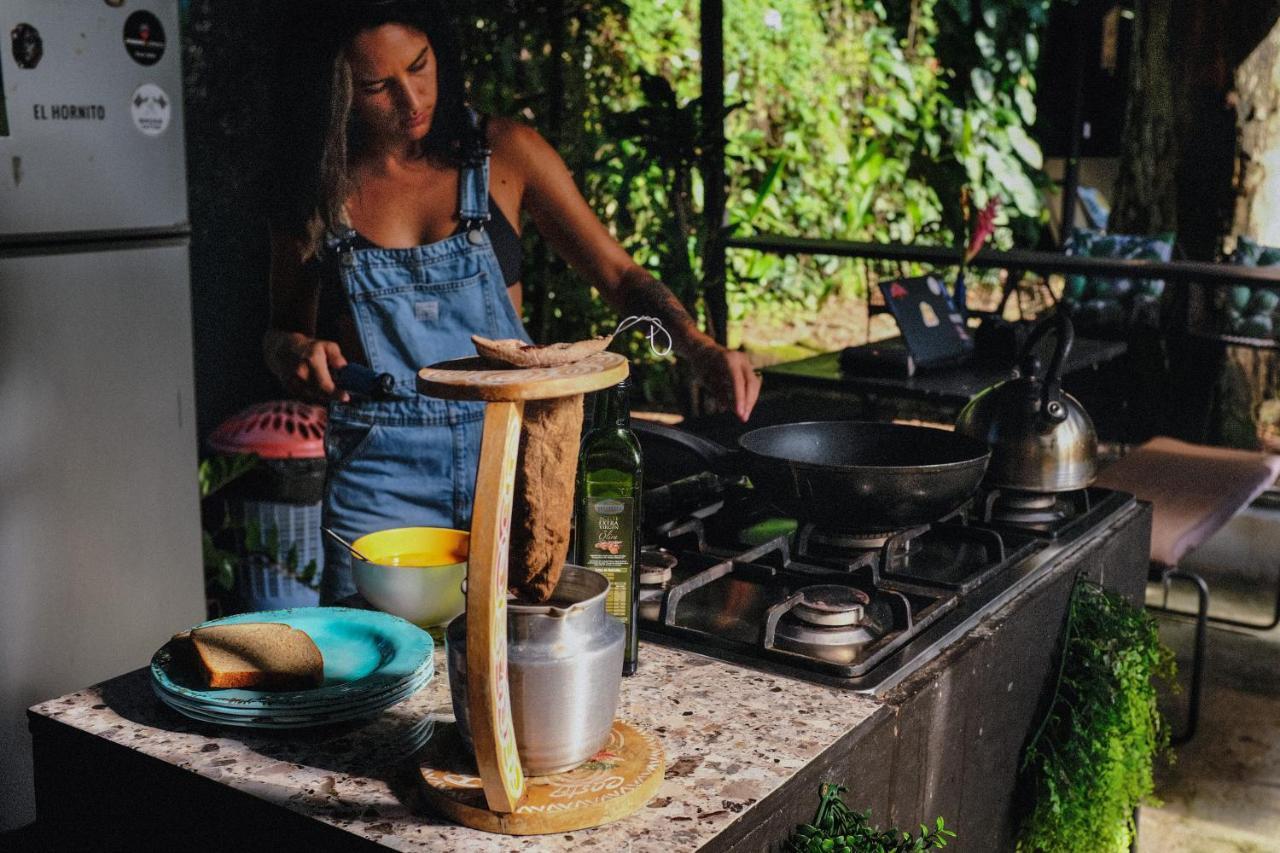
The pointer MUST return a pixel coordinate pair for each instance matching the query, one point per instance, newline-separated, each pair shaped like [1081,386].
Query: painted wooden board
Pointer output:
[472,379]
[488,694]
[500,777]
[613,783]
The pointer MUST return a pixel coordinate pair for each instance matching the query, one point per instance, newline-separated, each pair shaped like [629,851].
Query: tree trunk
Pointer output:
[1193,60]
[1146,199]
[1257,88]
[1202,158]
[1246,406]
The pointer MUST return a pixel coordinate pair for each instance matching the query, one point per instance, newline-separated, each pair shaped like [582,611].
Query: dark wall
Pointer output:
[1073,44]
[227,70]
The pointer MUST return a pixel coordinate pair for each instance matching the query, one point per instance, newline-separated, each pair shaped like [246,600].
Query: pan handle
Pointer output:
[717,457]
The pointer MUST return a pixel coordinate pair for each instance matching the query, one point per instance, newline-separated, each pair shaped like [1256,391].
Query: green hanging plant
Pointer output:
[1090,761]
[838,829]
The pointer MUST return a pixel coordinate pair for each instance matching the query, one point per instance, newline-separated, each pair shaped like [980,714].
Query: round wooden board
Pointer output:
[472,379]
[616,781]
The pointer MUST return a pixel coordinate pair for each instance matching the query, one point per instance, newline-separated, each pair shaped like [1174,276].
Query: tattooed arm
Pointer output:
[728,374]
[563,217]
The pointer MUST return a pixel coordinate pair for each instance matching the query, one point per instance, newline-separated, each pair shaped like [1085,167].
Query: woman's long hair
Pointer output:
[318,136]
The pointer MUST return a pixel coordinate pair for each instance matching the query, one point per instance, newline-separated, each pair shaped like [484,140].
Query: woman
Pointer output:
[396,238]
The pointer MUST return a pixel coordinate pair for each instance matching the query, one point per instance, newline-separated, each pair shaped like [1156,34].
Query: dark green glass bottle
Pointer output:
[608,510]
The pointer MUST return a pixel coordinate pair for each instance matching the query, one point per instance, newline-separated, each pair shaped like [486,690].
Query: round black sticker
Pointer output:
[28,47]
[144,38]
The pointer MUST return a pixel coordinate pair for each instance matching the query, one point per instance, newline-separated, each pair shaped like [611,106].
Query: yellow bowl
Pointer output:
[415,573]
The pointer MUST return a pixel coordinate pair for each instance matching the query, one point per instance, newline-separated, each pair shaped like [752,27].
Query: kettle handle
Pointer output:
[1051,406]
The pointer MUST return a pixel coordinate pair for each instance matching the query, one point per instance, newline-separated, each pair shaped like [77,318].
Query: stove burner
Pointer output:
[831,606]
[832,623]
[656,565]
[1026,508]
[848,540]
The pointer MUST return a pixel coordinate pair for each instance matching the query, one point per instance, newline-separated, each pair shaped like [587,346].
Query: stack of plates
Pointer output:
[372,660]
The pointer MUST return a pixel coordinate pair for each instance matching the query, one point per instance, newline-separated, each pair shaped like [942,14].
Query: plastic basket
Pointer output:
[264,587]
[296,525]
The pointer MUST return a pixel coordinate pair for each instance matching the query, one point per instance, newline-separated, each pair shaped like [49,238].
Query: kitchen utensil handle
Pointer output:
[365,382]
[684,495]
[1051,405]
[717,457]
[344,543]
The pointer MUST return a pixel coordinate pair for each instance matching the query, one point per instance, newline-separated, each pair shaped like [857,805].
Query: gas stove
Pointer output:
[725,574]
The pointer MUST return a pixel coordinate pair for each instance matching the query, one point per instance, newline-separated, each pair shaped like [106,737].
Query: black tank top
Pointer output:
[506,243]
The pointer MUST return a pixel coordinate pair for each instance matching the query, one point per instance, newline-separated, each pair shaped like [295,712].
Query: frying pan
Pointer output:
[858,476]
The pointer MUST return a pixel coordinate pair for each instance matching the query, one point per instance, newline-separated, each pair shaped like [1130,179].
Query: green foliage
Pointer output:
[218,472]
[838,829]
[214,474]
[849,119]
[990,48]
[1090,762]
[225,543]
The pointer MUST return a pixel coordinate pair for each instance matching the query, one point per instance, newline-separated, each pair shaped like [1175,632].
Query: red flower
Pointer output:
[983,229]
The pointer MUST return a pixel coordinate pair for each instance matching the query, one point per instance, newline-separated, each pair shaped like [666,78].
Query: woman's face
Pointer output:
[393,75]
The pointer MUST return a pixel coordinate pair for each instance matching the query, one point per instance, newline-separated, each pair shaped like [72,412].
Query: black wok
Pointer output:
[848,475]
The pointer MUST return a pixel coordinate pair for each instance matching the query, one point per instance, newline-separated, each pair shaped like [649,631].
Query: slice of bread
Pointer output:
[257,655]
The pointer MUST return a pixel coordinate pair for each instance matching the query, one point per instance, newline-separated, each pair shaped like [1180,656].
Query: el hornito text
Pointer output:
[69,112]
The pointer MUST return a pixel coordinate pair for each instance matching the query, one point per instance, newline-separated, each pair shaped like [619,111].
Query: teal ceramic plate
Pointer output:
[361,704]
[266,719]
[366,653]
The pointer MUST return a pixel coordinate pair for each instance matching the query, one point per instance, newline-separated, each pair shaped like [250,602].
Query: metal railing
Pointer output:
[1194,272]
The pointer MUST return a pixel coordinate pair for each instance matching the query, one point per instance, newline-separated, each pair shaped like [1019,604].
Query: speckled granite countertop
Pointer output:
[731,736]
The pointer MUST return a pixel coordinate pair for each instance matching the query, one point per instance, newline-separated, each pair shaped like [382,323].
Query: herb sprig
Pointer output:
[838,829]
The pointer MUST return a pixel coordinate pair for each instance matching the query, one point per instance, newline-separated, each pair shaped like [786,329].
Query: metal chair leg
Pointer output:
[1198,650]
[1222,620]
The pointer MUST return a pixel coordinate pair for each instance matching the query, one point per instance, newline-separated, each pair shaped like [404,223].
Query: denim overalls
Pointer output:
[412,461]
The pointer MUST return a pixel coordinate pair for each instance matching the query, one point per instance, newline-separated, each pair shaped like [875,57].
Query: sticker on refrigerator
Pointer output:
[144,38]
[28,47]
[150,108]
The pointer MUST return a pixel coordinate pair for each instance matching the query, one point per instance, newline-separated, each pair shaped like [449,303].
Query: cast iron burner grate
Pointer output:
[732,579]
[748,603]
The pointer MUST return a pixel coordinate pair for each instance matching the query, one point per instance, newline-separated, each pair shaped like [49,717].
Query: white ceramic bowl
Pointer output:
[415,573]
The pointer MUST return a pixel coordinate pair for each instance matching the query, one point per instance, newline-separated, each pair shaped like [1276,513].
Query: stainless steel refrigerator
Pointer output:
[99,523]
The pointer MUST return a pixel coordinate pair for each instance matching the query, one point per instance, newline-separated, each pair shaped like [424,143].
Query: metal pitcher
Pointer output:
[1041,438]
[564,668]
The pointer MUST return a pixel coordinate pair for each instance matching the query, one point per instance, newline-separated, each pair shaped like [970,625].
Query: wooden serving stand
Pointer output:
[493,794]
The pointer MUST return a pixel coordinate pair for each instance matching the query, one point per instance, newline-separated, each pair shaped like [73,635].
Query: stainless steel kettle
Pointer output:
[1041,438]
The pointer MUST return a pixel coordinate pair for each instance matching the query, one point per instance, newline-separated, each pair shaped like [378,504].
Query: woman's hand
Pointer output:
[305,365]
[728,375]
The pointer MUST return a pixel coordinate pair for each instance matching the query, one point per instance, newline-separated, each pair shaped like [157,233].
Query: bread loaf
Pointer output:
[258,655]
[512,352]
[542,505]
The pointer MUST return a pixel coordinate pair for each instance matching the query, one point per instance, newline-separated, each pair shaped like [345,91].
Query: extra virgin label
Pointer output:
[609,537]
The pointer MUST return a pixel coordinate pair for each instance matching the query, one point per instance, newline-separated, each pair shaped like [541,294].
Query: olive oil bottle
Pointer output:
[608,510]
